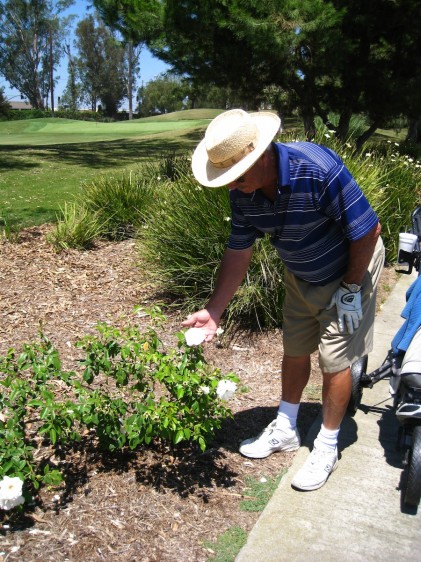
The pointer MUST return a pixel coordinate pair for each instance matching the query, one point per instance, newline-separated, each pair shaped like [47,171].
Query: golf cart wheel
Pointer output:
[413,487]
[358,368]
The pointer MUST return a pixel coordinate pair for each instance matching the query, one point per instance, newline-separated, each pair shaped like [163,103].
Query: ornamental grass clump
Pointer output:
[391,182]
[76,228]
[119,202]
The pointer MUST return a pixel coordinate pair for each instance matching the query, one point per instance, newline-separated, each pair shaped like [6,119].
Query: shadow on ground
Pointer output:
[99,155]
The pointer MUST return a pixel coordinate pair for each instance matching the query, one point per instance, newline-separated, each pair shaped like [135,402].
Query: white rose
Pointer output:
[10,492]
[195,336]
[225,389]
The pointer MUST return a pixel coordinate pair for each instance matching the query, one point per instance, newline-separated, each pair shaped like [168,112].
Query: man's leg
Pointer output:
[295,375]
[324,456]
[337,389]
[282,434]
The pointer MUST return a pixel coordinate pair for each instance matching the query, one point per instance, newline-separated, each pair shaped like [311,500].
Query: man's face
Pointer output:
[248,182]
[255,178]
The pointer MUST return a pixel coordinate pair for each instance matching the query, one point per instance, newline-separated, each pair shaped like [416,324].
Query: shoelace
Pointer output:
[317,455]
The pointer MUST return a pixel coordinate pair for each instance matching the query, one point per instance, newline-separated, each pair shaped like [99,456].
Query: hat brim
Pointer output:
[207,174]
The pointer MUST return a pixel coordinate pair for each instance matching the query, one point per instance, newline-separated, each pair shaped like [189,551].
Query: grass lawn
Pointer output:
[44,162]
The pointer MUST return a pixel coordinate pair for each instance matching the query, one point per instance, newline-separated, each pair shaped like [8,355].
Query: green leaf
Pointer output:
[179,436]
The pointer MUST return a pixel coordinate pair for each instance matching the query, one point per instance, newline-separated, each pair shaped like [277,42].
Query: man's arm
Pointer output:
[234,266]
[348,303]
[360,254]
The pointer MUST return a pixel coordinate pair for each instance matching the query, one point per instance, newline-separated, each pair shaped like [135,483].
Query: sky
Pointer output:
[150,67]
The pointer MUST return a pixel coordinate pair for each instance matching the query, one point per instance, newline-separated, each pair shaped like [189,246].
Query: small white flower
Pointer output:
[225,389]
[327,136]
[205,389]
[227,219]
[195,336]
[10,492]
[219,331]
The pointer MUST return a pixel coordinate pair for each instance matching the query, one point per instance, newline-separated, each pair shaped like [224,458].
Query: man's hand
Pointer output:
[202,319]
[348,307]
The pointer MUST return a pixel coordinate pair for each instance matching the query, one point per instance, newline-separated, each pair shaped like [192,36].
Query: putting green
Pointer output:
[37,132]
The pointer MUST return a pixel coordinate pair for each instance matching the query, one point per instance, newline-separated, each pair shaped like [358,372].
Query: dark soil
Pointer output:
[158,503]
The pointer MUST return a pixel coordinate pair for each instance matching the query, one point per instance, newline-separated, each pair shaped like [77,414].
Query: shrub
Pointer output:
[132,391]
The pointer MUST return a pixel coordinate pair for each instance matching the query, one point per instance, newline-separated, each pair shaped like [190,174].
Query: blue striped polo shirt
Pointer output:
[318,209]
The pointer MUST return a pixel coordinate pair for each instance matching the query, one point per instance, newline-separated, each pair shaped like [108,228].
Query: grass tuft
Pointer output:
[227,546]
[259,492]
[77,228]
[119,202]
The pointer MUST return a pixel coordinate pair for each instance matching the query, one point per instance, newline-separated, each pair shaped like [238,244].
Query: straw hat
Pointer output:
[233,142]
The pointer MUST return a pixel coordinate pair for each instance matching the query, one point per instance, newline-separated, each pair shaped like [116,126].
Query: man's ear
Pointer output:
[268,156]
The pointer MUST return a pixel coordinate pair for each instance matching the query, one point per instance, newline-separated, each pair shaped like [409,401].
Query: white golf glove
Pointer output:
[348,307]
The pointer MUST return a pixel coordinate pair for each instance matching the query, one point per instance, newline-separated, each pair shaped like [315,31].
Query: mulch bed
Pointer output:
[157,503]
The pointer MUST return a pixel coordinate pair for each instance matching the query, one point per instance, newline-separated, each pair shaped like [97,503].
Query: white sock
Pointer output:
[327,439]
[287,415]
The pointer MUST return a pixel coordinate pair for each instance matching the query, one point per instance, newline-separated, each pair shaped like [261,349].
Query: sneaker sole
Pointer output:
[314,486]
[264,456]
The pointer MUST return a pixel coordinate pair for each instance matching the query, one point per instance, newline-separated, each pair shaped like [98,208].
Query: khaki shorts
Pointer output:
[308,326]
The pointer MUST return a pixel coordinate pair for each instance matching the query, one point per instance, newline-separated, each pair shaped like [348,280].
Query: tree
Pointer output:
[228,44]
[162,95]
[137,23]
[72,93]
[377,66]
[31,36]
[210,96]
[5,106]
[100,65]
[343,56]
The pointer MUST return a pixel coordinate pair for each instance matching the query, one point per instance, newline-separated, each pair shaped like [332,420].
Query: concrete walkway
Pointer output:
[359,514]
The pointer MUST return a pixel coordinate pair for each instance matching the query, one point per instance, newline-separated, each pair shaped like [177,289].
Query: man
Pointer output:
[323,228]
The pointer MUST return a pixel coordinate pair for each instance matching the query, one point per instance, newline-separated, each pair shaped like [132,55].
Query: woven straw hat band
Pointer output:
[227,145]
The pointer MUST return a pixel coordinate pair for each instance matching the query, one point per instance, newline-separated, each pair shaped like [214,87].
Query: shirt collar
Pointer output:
[283,164]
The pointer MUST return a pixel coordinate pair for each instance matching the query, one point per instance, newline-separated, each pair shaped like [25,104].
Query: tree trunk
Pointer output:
[342,129]
[130,78]
[309,125]
[414,130]
[366,135]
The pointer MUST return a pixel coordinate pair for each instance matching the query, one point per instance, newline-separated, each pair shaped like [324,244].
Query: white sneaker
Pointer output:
[316,469]
[269,441]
